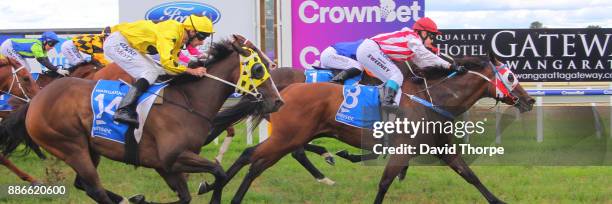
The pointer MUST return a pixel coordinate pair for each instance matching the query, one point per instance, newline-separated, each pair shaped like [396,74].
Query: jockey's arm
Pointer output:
[423,57]
[168,56]
[45,62]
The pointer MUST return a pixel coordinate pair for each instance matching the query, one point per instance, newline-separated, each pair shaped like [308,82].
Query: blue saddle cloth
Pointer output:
[360,107]
[105,99]
[318,75]
[4,98]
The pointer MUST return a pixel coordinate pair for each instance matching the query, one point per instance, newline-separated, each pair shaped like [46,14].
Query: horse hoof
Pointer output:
[326,181]
[330,160]
[204,188]
[137,199]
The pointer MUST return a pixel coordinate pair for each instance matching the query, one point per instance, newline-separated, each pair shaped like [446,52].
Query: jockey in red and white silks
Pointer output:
[378,53]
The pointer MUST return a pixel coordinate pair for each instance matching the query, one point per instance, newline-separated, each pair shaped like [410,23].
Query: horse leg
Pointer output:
[394,167]
[176,182]
[81,185]
[456,163]
[88,177]
[190,162]
[226,142]
[257,167]
[300,156]
[242,161]
[329,158]
[356,157]
[402,174]
[23,175]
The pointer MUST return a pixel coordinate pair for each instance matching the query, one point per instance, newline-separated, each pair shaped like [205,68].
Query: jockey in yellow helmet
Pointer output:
[129,45]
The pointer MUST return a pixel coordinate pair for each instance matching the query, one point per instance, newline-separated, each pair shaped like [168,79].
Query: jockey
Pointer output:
[90,44]
[21,48]
[377,53]
[130,43]
[342,56]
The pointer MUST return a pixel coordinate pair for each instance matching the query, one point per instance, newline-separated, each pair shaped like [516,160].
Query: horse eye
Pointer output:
[25,79]
[257,72]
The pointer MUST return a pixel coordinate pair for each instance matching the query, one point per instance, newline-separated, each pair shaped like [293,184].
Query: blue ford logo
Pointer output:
[179,11]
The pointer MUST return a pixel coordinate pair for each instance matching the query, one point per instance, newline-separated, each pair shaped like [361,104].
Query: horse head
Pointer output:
[255,74]
[17,80]
[502,84]
[249,74]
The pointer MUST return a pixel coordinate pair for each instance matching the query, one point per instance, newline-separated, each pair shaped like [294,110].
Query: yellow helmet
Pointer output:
[199,23]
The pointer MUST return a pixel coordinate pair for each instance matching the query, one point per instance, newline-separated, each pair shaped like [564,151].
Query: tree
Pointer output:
[536,25]
[593,26]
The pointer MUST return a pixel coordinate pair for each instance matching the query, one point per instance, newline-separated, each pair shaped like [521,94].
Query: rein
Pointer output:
[451,75]
[249,62]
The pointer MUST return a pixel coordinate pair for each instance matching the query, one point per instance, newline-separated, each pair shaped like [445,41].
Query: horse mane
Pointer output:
[217,52]
[474,63]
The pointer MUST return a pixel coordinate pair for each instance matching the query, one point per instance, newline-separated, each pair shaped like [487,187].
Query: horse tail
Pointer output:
[231,116]
[13,133]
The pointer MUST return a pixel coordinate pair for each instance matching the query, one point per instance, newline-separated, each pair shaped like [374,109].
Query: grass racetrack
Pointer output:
[288,182]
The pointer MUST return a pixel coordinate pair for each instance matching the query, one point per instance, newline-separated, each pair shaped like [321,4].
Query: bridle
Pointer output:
[14,79]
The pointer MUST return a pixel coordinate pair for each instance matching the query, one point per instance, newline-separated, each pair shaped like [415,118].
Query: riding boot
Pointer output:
[126,113]
[345,74]
[390,91]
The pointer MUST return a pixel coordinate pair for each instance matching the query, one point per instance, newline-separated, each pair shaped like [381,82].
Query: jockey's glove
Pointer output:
[63,72]
[460,69]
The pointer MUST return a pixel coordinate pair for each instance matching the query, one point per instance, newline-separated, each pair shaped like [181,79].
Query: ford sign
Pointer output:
[180,10]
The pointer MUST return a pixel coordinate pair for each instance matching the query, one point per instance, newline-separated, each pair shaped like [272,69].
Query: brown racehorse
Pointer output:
[85,70]
[112,71]
[285,76]
[172,137]
[310,109]
[22,85]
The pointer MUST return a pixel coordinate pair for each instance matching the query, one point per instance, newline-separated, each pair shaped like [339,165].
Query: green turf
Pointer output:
[287,182]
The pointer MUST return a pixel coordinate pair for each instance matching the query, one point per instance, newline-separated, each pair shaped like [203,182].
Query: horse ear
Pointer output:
[238,47]
[494,59]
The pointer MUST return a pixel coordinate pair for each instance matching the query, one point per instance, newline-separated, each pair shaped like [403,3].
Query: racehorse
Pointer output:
[310,109]
[172,137]
[285,76]
[85,70]
[18,82]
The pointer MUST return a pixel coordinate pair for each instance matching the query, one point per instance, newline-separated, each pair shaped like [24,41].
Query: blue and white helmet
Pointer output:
[48,37]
